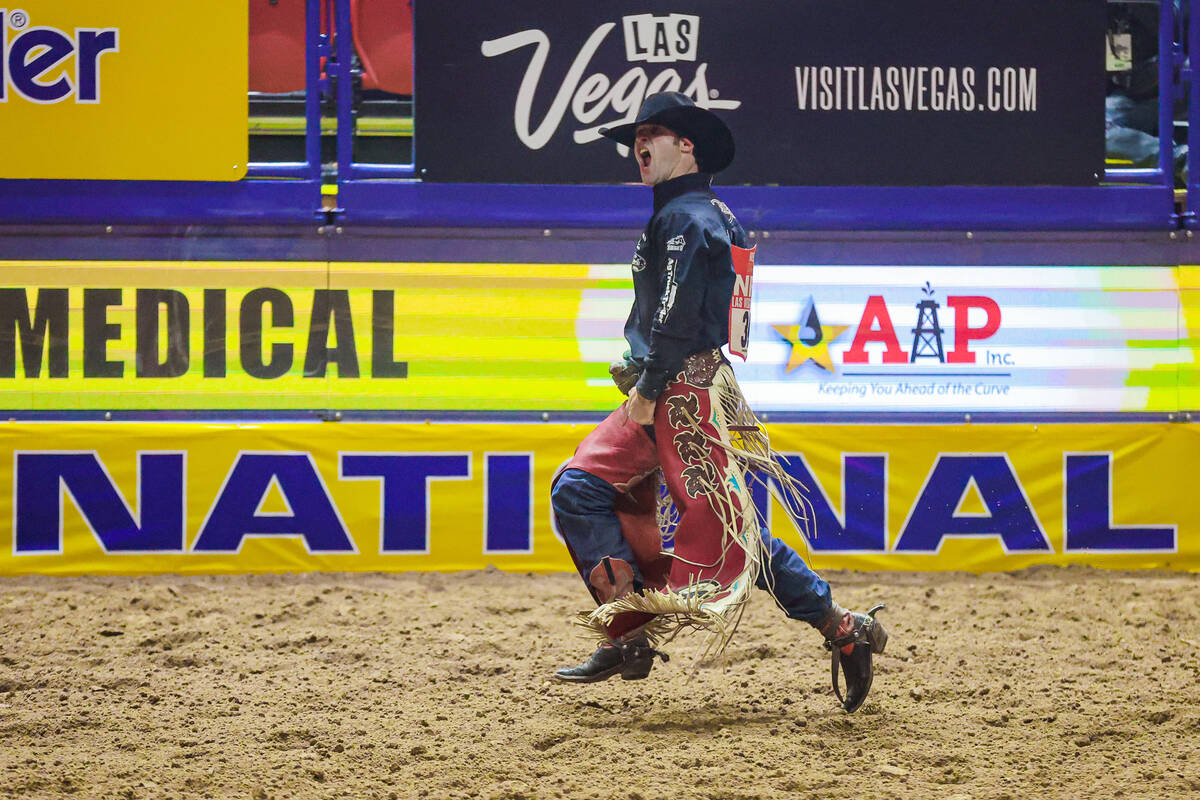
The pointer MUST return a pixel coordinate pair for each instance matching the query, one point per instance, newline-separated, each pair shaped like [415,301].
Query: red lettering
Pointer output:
[964,333]
[875,326]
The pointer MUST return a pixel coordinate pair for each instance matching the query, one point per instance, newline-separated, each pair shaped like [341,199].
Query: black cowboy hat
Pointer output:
[676,111]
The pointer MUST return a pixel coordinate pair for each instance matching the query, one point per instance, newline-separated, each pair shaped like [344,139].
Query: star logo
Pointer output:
[810,341]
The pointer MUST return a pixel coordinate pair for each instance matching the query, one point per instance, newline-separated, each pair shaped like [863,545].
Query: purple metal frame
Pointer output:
[316,47]
[347,168]
[1168,60]
[830,208]
[314,415]
[255,202]
[1170,57]
[1191,74]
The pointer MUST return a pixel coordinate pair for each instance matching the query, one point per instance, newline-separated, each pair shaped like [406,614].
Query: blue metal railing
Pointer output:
[1193,137]
[348,169]
[1169,58]
[1168,53]
[316,87]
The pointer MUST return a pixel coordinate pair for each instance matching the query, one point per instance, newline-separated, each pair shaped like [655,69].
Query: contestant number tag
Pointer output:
[739,304]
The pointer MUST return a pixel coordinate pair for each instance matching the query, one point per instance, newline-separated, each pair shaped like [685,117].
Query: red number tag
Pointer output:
[739,303]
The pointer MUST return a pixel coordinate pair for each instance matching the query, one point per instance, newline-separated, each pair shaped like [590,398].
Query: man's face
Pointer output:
[661,155]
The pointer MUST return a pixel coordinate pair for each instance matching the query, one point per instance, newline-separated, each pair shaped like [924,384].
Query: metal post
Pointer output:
[1166,91]
[1163,174]
[310,167]
[347,169]
[312,88]
[345,88]
[1193,39]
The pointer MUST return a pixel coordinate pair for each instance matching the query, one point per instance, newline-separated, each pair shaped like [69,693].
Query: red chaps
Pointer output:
[621,452]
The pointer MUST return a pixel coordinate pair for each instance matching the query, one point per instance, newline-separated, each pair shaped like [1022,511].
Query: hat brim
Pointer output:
[708,132]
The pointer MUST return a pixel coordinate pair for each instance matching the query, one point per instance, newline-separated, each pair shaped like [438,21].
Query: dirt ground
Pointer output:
[1048,683]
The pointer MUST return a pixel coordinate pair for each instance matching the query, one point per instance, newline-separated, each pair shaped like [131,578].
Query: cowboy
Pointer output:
[686,421]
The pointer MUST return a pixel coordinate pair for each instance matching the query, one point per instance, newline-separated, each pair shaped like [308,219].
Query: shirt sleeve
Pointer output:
[685,248]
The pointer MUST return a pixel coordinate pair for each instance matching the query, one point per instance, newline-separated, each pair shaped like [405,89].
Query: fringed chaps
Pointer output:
[709,446]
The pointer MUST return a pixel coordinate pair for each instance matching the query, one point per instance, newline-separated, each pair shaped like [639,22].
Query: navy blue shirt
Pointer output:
[682,280]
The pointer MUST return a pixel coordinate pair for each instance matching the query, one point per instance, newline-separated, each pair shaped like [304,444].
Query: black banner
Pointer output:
[854,92]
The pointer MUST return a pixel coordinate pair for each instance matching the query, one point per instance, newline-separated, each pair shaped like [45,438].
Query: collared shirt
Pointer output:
[682,280]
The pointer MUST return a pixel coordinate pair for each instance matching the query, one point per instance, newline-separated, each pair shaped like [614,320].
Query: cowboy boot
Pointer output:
[851,639]
[632,659]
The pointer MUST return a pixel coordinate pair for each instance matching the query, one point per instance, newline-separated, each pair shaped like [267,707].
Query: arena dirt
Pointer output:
[1049,683]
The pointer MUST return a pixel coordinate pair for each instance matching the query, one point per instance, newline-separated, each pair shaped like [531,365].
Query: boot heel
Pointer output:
[637,672]
[638,662]
[877,634]
[878,638]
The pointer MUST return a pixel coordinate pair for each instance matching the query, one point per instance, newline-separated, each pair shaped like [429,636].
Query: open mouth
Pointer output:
[644,157]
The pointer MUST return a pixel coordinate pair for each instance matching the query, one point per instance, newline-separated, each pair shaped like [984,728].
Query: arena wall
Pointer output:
[312,403]
[975,336]
[128,498]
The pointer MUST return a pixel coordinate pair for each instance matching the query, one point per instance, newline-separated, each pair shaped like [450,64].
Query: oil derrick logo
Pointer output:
[927,336]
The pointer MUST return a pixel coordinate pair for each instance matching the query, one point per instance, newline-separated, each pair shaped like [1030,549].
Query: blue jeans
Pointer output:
[583,507]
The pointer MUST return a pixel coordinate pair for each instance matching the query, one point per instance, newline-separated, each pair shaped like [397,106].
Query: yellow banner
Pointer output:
[237,335]
[127,89]
[127,498]
[289,335]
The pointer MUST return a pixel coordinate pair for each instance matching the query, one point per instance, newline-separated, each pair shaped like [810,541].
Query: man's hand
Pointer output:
[640,409]
[625,374]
